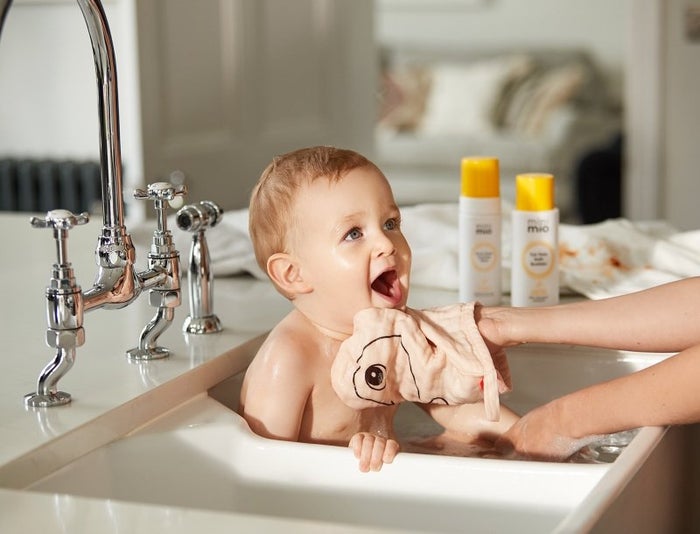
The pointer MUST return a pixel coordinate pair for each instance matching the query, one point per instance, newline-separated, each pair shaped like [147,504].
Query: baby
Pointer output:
[326,229]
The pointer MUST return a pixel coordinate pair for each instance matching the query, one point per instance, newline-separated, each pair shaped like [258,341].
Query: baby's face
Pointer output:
[348,239]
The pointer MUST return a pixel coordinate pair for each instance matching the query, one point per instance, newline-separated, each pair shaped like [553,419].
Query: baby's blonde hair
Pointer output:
[272,200]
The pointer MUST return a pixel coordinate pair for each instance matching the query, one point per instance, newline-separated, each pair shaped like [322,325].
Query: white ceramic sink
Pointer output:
[202,455]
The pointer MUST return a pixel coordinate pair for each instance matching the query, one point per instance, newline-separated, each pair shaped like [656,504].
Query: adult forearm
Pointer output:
[662,319]
[663,394]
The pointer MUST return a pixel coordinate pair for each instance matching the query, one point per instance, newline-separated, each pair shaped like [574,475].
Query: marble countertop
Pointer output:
[103,382]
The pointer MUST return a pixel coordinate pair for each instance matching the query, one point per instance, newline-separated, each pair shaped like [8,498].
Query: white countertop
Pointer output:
[102,380]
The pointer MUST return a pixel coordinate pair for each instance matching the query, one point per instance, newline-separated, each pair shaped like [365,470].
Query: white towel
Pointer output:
[619,256]
[230,248]
[600,260]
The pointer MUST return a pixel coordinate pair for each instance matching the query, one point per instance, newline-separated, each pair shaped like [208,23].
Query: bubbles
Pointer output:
[605,449]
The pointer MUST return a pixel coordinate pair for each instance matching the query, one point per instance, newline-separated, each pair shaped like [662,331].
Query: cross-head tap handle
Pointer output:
[61,221]
[161,193]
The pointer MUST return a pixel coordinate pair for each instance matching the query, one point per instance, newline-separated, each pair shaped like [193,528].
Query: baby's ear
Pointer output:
[283,269]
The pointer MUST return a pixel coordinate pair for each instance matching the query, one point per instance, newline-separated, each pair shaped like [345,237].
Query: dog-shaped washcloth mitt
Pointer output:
[436,355]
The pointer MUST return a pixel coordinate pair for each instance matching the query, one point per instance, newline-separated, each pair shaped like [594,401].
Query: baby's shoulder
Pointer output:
[287,345]
[282,344]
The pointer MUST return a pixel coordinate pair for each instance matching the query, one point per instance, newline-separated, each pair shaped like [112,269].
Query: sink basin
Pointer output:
[202,455]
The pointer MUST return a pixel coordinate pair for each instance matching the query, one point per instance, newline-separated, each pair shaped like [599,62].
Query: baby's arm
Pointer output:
[275,392]
[373,451]
[467,422]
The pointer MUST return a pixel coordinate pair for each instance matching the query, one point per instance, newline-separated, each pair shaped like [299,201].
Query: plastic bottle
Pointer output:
[535,254]
[480,231]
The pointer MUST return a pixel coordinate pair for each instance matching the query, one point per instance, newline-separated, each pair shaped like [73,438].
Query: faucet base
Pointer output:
[202,325]
[141,355]
[40,400]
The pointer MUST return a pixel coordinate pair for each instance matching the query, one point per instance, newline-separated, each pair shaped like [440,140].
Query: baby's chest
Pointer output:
[328,418]
[326,414]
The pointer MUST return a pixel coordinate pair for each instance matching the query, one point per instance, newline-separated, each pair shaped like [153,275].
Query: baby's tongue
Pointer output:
[387,284]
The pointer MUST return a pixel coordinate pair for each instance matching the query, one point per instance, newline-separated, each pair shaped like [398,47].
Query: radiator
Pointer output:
[42,185]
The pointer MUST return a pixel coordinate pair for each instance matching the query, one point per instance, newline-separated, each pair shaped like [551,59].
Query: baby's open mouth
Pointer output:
[387,285]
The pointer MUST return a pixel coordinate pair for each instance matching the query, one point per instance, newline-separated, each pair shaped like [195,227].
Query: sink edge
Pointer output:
[125,418]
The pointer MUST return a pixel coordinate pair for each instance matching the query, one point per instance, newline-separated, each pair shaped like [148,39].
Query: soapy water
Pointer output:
[446,446]
[423,435]
[606,449]
[602,451]
[419,433]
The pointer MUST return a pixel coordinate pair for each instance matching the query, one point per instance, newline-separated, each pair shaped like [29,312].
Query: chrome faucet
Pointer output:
[117,283]
[164,269]
[64,311]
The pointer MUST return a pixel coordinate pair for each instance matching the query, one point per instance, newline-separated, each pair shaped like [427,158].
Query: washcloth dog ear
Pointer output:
[428,356]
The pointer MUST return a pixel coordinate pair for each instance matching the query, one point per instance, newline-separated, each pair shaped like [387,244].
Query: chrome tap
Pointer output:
[66,302]
[117,283]
[64,311]
[163,273]
[197,218]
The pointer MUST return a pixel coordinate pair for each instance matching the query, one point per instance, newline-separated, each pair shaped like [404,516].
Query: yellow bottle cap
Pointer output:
[534,192]
[480,177]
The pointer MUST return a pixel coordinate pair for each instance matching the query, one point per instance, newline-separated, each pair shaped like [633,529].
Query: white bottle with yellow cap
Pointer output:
[480,231]
[535,254]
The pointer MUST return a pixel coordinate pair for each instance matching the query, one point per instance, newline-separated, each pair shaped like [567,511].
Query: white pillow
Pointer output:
[462,96]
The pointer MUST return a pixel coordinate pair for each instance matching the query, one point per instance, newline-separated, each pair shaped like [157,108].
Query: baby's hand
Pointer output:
[373,451]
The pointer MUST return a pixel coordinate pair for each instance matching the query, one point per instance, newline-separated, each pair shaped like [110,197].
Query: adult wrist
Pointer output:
[494,325]
[566,416]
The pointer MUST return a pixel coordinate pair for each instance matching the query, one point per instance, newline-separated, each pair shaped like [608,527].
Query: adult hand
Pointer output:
[494,331]
[540,435]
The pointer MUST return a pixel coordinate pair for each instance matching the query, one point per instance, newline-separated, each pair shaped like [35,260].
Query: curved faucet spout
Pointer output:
[106,71]
[114,249]
[110,147]
[115,284]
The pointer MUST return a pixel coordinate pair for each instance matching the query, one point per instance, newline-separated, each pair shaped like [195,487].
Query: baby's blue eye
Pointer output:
[353,234]
[391,224]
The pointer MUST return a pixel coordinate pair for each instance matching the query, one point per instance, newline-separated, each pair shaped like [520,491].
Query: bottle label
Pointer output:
[483,256]
[535,272]
[479,251]
[538,259]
